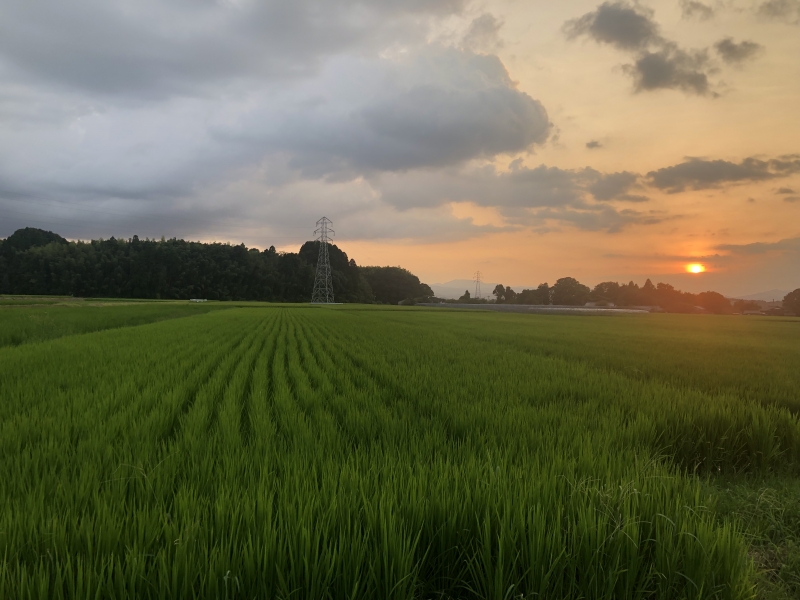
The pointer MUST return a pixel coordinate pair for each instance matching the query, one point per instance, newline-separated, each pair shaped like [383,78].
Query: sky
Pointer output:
[527,139]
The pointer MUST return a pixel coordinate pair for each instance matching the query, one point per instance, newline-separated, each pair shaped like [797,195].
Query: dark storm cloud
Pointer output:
[692,9]
[152,49]
[698,174]
[594,145]
[737,53]
[787,11]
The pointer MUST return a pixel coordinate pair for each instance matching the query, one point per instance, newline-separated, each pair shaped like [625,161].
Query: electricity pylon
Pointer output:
[477,279]
[323,282]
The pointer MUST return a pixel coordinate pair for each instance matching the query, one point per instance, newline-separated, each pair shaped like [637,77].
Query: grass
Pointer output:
[769,509]
[386,453]
[23,323]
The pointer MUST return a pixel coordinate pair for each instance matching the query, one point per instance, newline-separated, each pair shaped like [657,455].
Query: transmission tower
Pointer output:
[477,284]
[323,282]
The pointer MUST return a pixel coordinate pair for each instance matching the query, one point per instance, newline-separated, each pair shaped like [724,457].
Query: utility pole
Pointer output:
[477,279]
[323,282]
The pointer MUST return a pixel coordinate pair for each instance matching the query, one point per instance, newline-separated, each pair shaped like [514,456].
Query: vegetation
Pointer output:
[33,261]
[298,452]
[18,326]
[393,284]
[791,302]
[570,292]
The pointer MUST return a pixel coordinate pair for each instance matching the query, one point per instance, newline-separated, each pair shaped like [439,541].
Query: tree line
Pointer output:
[34,261]
[567,291]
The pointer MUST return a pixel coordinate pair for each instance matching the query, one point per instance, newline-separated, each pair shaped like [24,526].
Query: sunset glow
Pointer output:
[695,268]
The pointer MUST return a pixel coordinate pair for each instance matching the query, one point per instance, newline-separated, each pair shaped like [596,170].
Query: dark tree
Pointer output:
[543,294]
[25,239]
[791,302]
[33,261]
[569,291]
[349,283]
[466,297]
[608,292]
[499,293]
[393,284]
[714,302]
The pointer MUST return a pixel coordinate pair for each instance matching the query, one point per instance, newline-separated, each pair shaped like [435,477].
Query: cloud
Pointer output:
[209,116]
[736,54]
[699,174]
[428,108]
[792,199]
[541,197]
[594,145]
[519,187]
[785,246]
[691,9]
[153,49]
[615,186]
[785,190]
[483,34]
[603,218]
[622,25]
[659,63]
[670,68]
[787,11]
[431,108]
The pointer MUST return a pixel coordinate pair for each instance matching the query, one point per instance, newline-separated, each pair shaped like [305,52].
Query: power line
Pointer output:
[323,282]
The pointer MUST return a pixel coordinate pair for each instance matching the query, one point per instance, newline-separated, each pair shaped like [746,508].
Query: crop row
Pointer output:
[309,453]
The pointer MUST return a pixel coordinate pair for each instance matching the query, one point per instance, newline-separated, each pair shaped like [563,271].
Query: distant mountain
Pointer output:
[767,296]
[455,288]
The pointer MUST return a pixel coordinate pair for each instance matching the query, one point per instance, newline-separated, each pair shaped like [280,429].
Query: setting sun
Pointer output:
[695,268]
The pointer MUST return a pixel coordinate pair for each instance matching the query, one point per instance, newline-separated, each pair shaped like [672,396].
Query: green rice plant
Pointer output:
[335,453]
[26,324]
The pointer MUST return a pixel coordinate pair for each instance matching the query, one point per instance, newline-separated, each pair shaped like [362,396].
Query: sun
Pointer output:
[695,268]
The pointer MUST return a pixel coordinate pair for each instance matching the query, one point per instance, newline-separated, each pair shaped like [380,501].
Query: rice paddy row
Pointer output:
[314,453]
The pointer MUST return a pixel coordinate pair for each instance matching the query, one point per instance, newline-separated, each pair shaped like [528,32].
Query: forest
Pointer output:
[33,261]
[567,291]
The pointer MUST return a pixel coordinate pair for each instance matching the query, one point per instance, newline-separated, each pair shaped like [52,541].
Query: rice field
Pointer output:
[269,451]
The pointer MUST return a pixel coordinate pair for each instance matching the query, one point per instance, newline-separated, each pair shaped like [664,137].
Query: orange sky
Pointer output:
[589,98]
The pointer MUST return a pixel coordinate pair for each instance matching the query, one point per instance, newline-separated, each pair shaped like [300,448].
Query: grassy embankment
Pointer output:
[402,453]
